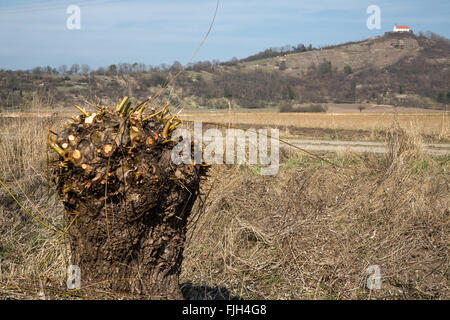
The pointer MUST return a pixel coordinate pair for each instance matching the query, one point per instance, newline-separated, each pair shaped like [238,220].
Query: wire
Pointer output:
[28,212]
[186,64]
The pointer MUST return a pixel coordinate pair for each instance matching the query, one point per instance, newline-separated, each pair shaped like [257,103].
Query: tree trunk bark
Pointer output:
[127,203]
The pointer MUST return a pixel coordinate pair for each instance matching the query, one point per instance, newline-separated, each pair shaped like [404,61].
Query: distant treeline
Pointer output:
[272,53]
[128,68]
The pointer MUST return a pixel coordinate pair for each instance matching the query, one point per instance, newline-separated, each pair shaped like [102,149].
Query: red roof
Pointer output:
[402,27]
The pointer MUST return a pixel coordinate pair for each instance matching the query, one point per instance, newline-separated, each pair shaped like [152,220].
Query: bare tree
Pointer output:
[85,69]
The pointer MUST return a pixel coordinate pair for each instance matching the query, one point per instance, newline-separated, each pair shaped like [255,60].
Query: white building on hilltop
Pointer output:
[401,28]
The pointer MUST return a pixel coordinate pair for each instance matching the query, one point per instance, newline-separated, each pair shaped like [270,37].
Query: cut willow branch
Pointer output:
[81,110]
[121,105]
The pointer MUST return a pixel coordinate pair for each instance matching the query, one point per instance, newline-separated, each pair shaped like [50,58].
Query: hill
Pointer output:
[399,69]
[395,69]
[378,52]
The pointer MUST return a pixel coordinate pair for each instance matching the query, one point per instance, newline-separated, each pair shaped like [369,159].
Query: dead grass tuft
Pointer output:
[312,232]
[25,244]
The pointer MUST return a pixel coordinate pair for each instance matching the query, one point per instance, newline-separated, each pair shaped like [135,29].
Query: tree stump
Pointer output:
[126,202]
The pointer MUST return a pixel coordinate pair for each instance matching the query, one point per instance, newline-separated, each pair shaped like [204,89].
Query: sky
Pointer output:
[36,33]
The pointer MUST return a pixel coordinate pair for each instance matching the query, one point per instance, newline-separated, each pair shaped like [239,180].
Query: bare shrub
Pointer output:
[315,108]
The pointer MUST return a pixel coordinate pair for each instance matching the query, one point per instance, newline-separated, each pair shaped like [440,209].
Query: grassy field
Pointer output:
[310,232]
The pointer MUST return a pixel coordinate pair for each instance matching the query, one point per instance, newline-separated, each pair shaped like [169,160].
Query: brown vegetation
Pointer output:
[310,232]
[313,231]
[313,108]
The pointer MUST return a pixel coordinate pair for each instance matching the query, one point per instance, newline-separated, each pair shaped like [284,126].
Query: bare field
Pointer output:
[341,117]
[435,123]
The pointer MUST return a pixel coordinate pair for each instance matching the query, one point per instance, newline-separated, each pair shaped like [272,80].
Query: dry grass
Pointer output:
[310,232]
[24,243]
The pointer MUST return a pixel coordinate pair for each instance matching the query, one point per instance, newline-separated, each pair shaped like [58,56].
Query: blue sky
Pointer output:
[34,33]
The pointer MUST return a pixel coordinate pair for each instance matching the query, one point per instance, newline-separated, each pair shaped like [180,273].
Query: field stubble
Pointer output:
[434,124]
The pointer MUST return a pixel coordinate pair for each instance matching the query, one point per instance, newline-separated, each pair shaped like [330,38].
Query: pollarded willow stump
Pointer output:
[126,202]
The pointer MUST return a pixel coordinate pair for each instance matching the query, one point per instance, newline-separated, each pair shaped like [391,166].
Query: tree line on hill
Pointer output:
[212,83]
[127,68]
